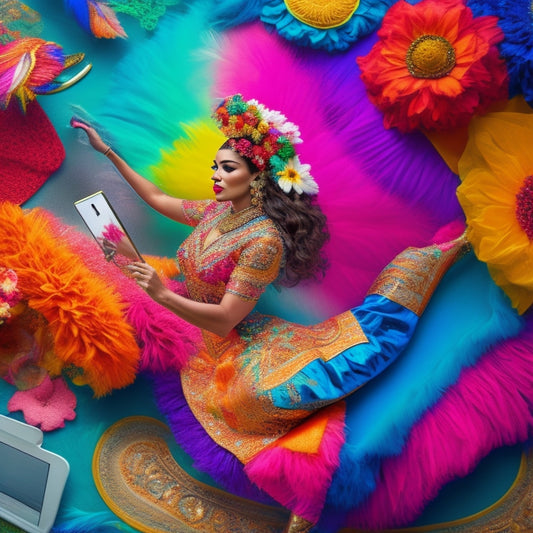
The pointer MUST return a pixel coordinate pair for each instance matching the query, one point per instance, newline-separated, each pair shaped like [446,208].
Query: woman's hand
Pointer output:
[94,139]
[147,278]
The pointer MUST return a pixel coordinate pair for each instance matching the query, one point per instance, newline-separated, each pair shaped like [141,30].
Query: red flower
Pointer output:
[250,118]
[222,116]
[434,66]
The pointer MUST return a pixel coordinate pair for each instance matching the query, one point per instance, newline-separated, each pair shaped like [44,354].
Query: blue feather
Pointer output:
[231,13]
[466,317]
[80,10]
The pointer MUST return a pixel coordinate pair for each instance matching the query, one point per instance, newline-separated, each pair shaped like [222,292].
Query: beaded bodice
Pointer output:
[242,260]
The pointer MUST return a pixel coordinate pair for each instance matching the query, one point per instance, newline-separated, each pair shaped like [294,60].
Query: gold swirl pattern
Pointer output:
[138,478]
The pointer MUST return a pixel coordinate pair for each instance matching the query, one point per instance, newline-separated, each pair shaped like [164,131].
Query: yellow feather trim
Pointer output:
[185,171]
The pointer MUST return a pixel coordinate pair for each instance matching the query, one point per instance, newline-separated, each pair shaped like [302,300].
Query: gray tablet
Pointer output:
[107,229]
[32,479]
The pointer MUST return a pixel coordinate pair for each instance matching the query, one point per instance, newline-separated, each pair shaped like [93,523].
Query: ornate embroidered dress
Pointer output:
[253,386]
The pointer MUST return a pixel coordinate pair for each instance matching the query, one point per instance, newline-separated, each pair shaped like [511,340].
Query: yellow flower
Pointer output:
[496,195]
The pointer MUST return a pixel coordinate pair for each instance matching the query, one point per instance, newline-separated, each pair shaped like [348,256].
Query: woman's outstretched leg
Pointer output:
[411,278]
[387,317]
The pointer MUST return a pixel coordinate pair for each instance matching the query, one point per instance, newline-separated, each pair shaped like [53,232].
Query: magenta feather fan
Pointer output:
[369,223]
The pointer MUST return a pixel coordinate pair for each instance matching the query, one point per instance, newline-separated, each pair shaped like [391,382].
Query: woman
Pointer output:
[258,379]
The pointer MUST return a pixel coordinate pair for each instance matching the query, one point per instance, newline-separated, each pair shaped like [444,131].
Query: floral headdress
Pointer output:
[267,139]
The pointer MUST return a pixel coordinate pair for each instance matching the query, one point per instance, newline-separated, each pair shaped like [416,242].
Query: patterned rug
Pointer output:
[141,482]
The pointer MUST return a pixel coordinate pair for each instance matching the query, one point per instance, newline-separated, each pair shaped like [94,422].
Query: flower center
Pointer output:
[323,14]
[430,56]
[524,207]
[292,174]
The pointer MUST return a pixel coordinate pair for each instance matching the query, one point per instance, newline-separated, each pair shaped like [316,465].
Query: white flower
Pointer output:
[296,176]
[279,121]
[291,131]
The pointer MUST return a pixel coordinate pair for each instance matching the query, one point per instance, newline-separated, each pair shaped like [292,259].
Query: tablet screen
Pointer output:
[107,229]
[22,483]
[31,479]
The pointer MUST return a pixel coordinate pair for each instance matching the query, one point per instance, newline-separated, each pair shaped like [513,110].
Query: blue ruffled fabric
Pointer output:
[366,19]
[388,327]
[516,21]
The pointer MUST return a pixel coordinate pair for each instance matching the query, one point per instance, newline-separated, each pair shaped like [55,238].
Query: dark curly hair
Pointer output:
[302,225]
[304,231]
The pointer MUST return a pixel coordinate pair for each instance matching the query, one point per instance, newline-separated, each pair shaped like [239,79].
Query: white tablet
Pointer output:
[32,479]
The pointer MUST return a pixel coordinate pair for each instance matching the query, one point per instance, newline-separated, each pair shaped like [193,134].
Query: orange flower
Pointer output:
[434,65]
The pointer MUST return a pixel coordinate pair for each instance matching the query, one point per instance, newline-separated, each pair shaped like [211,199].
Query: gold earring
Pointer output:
[256,191]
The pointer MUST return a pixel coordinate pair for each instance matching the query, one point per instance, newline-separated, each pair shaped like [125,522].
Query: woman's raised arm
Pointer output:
[163,203]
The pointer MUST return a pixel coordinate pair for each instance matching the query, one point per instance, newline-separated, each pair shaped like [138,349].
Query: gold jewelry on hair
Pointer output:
[236,220]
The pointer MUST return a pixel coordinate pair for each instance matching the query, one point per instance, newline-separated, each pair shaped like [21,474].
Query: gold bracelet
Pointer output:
[108,150]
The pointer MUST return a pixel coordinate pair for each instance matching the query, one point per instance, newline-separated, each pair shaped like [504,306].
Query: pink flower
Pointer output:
[47,405]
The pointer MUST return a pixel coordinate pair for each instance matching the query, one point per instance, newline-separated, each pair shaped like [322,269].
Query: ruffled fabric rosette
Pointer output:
[434,66]
[515,19]
[496,194]
[47,405]
[331,25]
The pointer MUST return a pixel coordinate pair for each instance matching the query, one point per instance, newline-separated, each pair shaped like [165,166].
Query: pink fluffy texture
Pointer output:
[166,341]
[297,480]
[47,405]
[490,406]
[367,225]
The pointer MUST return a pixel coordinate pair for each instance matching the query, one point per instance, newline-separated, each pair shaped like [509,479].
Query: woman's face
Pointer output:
[232,179]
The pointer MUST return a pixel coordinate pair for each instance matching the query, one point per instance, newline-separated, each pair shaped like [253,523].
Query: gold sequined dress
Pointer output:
[253,386]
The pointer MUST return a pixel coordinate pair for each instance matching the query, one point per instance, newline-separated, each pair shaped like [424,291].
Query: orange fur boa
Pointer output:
[85,316]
